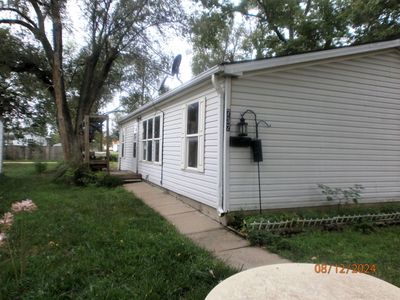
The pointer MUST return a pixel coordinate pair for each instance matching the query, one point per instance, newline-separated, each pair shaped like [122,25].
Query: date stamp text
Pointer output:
[345,268]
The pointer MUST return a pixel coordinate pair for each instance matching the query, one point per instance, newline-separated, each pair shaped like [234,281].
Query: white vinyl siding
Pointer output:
[200,186]
[335,123]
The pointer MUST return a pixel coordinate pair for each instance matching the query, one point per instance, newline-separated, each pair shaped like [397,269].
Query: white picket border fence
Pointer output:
[318,222]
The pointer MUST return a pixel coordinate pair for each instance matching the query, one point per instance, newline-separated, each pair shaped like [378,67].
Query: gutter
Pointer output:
[222,195]
[170,95]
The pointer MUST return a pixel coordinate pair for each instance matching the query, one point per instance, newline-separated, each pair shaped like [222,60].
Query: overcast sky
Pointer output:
[173,46]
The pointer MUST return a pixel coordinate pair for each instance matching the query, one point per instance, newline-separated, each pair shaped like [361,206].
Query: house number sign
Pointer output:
[228,119]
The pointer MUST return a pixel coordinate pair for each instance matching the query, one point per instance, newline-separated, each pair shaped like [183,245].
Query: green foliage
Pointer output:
[24,102]
[262,237]
[365,227]
[40,167]
[276,27]
[80,176]
[98,243]
[118,54]
[314,213]
[106,180]
[237,220]
[114,156]
[84,177]
[216,37]
[352,245]
[342,195]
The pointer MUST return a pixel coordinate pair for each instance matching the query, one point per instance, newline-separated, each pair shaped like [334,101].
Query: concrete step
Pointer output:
[127,176]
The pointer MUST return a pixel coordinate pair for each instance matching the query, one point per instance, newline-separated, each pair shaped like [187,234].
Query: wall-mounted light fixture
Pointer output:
[242,125]
[242,140]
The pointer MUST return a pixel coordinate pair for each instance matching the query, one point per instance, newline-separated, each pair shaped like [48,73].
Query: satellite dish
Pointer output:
[175,65]
[174,71]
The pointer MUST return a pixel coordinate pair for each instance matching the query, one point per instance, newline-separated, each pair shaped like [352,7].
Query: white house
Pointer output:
[334,116]
[27,139]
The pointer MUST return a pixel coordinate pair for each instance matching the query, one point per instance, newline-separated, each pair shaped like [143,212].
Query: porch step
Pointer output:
[132,180]
[127,176]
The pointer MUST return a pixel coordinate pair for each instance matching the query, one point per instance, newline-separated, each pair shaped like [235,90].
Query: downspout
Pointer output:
[137,144]
[119,148]
[162,150]
[221,186]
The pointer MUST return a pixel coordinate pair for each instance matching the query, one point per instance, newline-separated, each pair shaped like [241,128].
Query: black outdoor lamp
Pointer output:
[242,127]
[256,146]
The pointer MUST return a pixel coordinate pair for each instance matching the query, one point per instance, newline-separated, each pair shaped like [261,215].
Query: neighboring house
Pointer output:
[26,140]
[335,120]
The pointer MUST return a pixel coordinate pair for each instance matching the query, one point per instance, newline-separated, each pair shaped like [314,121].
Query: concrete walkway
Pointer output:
[204,231]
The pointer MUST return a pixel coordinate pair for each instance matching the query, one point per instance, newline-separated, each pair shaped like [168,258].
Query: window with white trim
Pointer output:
[151,139]
[134,145]
[193,136]
[123,143]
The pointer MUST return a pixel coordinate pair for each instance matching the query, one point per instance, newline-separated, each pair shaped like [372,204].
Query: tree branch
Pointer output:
[308,6]
[29,20]
[279,34]
[19,22]
[25,66]
[41,32]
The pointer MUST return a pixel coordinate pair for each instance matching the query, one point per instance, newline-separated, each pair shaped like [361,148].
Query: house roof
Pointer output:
[238,68]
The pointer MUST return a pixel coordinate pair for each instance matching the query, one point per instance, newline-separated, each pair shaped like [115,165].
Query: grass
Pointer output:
[350,246]
[357,244]
[323,212]
[95,243]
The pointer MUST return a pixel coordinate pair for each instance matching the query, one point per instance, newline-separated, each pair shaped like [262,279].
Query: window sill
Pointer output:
[151,162]
[193,170]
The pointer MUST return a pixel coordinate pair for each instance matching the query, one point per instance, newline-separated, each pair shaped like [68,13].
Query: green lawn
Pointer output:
[362,244]
[95,243]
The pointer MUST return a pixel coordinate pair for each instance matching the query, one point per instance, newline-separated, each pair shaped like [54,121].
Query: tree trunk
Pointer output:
[71,148]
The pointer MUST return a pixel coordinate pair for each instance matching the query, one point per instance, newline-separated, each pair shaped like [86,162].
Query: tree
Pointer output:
[143,77]
[215,36]
[374,20]
[296,26]
[24,104]
[115,29]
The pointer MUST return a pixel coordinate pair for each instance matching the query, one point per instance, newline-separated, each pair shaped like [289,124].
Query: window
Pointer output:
[151,139]
[134,145]
[193,136]
[123,143]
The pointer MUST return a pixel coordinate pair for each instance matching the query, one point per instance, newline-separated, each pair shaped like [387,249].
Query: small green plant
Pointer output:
[40,167]
[114,157]
[237,220]
[342,195]
[107,180]
[80,176]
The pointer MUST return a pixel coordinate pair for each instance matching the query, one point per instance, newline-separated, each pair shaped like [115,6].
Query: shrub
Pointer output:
[83,176]
[237,220]
[262,237]
[40,167]
[107,180]
[114,156]
[60,170]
